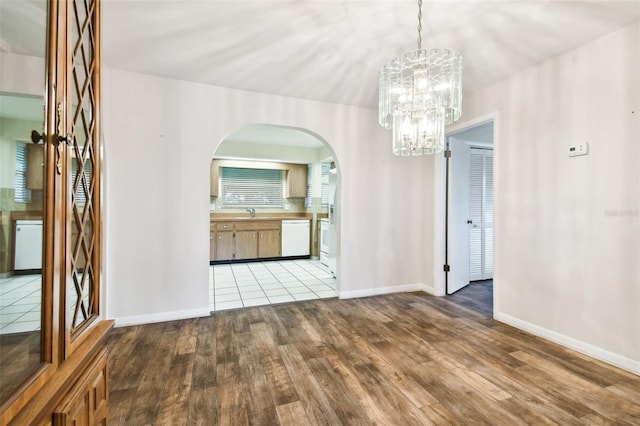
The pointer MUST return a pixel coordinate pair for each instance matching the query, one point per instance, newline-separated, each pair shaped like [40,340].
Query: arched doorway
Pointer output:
[270,187]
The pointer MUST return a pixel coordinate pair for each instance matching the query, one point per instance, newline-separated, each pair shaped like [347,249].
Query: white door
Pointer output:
[458,247]
[480,214]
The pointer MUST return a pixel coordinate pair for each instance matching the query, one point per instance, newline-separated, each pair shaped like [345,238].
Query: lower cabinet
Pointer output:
[77,392]
[87,403]
[246,245]
[269,243]
[212,245]
[224,245]
[248,239]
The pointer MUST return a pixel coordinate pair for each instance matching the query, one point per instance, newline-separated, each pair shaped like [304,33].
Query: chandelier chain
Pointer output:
[419,24]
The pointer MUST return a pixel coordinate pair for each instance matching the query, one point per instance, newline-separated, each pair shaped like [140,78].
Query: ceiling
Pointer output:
[482,133]
[326,50]
[273,135]
[332,50]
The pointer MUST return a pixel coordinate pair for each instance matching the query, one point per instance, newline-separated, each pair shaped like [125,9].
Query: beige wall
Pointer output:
[159,133]
[567,230]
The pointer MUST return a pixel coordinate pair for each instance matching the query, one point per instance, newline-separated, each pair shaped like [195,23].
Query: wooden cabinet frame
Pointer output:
[70,348]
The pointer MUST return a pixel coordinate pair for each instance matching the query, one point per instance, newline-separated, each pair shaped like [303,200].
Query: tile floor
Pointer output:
[20,298]
[239,285]
[236,285]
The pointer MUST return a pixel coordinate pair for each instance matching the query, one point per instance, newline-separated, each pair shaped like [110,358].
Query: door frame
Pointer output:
[440,198]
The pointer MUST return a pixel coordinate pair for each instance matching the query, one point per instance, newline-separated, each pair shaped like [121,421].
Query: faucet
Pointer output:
[253,212]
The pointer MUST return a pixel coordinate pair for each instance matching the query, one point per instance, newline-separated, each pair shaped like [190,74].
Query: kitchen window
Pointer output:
[22,194]
[251,187]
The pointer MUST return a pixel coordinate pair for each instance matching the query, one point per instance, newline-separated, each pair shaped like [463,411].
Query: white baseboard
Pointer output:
[162,317]
[569,342]
[405,288]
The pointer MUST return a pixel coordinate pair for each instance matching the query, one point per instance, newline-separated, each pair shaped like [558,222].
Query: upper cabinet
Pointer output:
[35,167]
[213,178]
[297,181]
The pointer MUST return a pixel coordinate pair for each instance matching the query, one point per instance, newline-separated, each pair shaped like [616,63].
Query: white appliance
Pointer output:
[28,247]
[295,237]
[332,234]
[324,241]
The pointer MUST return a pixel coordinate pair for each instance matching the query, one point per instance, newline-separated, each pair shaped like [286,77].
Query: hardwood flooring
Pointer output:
[403,359]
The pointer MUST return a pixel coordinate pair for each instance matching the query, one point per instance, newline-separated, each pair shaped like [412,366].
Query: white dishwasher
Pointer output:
[295,237]
[28,247]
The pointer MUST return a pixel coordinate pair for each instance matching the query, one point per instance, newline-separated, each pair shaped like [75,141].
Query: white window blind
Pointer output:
[251,187]
[325,184]
[22,194]
[308,200]
[80,195]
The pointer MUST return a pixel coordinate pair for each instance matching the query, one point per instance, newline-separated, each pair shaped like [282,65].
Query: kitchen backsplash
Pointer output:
[296,205]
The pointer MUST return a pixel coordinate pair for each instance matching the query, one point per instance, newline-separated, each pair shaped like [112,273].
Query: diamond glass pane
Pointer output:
[81,288]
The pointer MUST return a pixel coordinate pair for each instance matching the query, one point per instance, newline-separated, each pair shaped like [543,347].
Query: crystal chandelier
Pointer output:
[419,94]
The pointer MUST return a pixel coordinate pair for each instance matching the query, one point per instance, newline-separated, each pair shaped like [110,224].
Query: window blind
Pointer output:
[325,184]
[308,200]
[80,195]
[22,194]
[251,187]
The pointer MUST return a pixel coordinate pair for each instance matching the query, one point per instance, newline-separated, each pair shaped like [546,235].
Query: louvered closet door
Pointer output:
[480,214]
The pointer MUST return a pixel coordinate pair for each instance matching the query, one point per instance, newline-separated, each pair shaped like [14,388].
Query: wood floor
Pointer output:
[404,359]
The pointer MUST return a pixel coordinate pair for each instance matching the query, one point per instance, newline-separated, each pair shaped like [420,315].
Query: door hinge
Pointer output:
[446,268]
[447,154]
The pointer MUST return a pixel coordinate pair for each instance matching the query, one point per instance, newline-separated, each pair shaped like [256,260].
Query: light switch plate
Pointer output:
[579,149]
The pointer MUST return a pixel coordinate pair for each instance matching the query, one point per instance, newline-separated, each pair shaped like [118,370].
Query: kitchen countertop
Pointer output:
[26,215]
[226,217]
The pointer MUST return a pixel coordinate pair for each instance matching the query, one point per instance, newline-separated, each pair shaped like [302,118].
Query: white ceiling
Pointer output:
[273,135]
[332,50]
[325,50]
[482,134]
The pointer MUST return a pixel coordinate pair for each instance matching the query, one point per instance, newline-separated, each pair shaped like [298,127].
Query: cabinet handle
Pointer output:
[254,235]
[36,137]
[211,237]
[62,139]
[224,226]
[219,237]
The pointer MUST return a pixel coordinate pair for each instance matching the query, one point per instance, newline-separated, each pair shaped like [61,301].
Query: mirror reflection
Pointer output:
[22,52]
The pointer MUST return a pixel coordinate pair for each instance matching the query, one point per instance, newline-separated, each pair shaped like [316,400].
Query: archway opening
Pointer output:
[273,236]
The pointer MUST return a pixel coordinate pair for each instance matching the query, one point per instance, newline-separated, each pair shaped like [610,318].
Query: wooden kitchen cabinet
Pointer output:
[213,178]
[297,181]
[246,245]
[269,243]
[35,167]
[247,239]
[224,245]
[212,245]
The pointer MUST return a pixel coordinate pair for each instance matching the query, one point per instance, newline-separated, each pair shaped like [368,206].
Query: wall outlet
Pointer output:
[579,149]
[287,206]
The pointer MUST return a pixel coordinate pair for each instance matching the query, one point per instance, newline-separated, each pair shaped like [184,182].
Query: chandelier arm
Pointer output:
[419,24]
